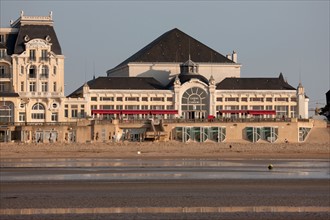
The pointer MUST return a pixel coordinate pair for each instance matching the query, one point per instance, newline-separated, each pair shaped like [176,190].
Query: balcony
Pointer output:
[32,76]
[44,76]
[5,75]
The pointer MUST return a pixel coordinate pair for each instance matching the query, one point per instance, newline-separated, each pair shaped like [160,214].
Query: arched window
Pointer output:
[38,112]
[32,71]
[6,112]
[194,103]
[44,71]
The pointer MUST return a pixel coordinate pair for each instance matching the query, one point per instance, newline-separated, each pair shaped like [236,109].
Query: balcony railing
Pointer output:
[44,76]
[32,76]
[5,75]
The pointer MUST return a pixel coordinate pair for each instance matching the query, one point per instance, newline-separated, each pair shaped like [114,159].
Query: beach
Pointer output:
[171,149]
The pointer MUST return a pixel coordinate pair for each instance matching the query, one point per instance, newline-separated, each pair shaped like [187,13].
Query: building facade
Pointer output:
[175,76]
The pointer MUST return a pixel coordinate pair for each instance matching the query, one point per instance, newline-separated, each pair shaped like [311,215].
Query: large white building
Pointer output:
[175,76]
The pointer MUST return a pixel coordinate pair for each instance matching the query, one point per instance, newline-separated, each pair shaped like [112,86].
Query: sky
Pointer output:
[269,37]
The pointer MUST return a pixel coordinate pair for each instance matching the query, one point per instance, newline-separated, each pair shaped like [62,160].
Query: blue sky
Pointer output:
[270,37]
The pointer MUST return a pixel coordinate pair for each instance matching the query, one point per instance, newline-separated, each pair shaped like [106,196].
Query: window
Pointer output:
[231,99]
[132,107]
[232,107]
[257,107]
[244,107]
[93,98]
[269,107]
[74,113]
[106,99]
[119,99]
[219,99]
[269,99]
[44,55]
[169,107]
[32,55]
[107,107]
[54,117]
[22,70]
[157,99]
[22,86]
[38,111]
[54,70]
[54,105]
[93,107]
[144,99]
[54,86]
[132,99]
[2,70]
[293,99]
[33,86]
[44,71]
[119,107]
[157,107]
[2,38]
[32,72]
[281,99]
[2,53]
[44,86]
[2,87]
[256,99]
[144,107]
[21,116]
[169,99]
[218,107]
[244,99]
[66,113]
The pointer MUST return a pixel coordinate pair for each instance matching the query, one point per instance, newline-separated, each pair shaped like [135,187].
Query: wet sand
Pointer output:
[171,149]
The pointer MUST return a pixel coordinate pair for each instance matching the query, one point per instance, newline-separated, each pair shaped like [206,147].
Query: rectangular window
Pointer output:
[82,106]
[54,86]
[44,86]
[22,86]
[169,107]
[2,87]
[269,107]
[269,99]
[74,113]
[82,113]
[22,70]
[33,86]
[2,53]
[44,55]
[106,98]
[293,99]
[106,107]
[38,116]
[93,107]
[219,107]
[66,106]
[119,107]
[219,99]
[66,113]
[21,116]
[244,107]
[244,99]
[157,107]
[132,99]
[231,99]
[119,99]
[144,99]
[132,107]
[54,117]
[2,38]
[33,55]
[93,98]
[232,107]
[2,70]
[257,107]
[169,99]
[157,99]
[281,99]
[256,99]
[144,107]
[54,70]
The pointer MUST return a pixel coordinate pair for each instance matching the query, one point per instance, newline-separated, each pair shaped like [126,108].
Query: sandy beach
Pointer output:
[170,149]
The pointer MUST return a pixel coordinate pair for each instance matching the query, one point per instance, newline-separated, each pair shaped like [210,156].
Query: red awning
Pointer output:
[164,112]
[262,112]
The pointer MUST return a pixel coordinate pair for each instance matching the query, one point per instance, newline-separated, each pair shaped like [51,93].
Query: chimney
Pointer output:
[234,57]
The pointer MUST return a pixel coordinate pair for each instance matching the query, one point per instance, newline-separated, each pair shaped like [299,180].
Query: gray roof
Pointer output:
[254,84]
[121,83]
[175,46]
[36,31]
[8,94]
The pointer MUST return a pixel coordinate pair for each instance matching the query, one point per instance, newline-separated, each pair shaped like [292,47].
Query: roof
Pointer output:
[124,83]
[37,31]
[254,84]
[186,78]
[175,46]
[10,43]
